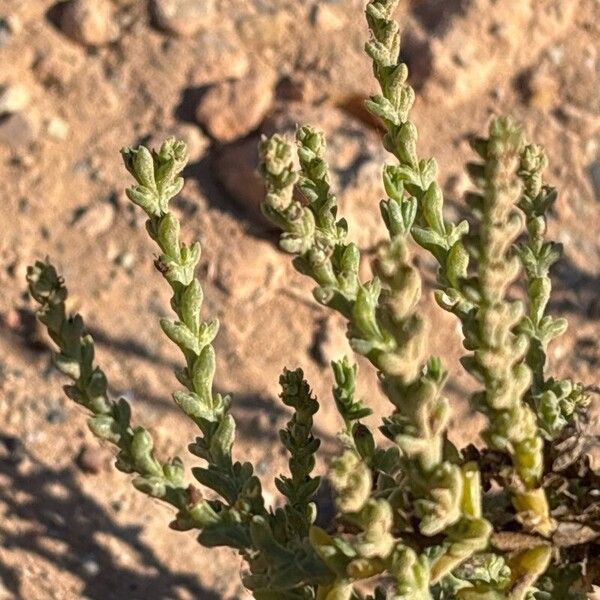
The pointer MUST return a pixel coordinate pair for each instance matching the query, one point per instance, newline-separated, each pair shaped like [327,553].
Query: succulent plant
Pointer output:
[416,517]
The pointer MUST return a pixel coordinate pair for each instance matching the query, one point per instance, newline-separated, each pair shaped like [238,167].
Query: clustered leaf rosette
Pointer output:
[412,521]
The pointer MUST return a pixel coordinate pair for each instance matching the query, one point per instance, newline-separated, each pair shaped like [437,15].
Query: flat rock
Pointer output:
[17,130]
[232,109]
[183,17]
[88,22]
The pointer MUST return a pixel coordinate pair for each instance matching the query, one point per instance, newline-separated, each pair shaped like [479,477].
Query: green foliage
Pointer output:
[348,406]
[109,420]
[412,513]
[302,446]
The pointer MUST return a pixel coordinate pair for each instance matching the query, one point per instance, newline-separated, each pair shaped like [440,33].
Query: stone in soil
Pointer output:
[540,88]
[90,566]
[197,143]
[328,18]
[88,22]
[126,261]
[96,218]
[57,128]
[13,98]
[11,319]
[593,172]
[218,57]
[236,169]
[9,26]
[183,17]
[90,459]
[17,130]
[232,109]
[55,416]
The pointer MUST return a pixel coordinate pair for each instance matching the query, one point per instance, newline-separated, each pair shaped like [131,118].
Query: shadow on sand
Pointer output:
[61,524]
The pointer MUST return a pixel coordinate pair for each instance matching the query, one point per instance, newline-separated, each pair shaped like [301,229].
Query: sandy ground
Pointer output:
[66,533]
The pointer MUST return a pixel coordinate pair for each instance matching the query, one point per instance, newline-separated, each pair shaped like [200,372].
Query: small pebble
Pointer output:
[262,467]
[17,130]
[9,26]
[542,90]
[197,143]
[327,18]
[126,260]
[183,17]
[89,22]
[90,460]
[593,172]
[556,54]
[12,319]
[57,128]
[55,416]
[14,24]
[232,109]
[90,566]
[592,148]
[96,218]
[218,57]
[13,98]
